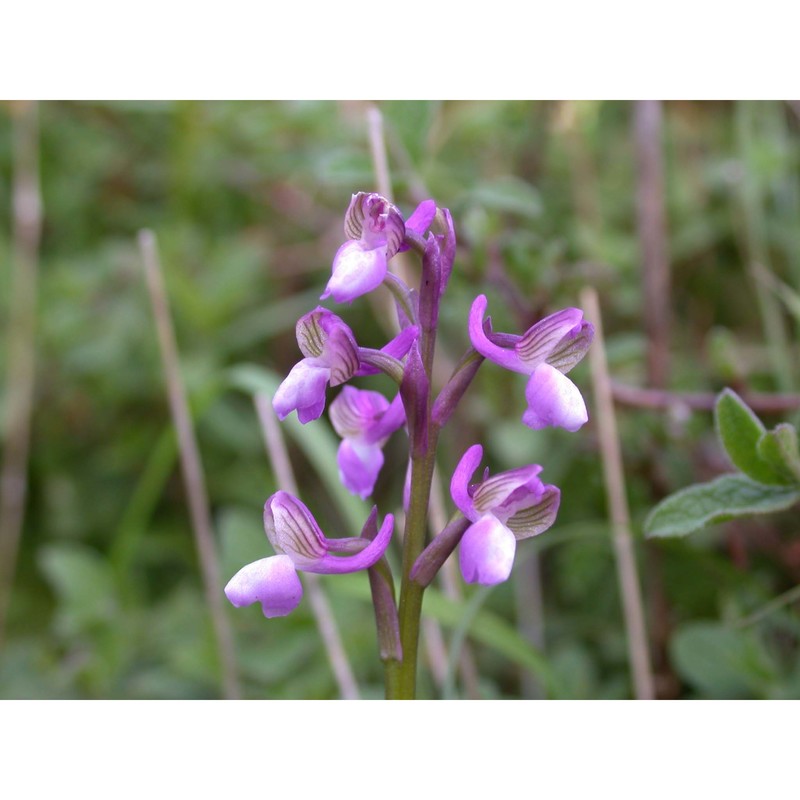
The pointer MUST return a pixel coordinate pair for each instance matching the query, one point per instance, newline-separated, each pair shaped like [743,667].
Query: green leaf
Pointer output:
[740,431]
[778,448]
[722,663]
[510,195]
[727,497]
[83,583]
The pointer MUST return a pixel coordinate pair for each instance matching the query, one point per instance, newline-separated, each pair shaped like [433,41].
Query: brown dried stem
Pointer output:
[191,465]
[622,538]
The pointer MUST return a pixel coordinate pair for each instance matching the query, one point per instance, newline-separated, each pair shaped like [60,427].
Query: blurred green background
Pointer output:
[247,202]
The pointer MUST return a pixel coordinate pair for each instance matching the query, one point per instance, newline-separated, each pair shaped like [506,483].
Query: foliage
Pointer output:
[768,481]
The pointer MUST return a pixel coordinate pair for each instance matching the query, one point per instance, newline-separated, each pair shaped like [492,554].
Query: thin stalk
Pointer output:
[781,601]
[529,603]
[410,592]
[658,399]
[26,234]
[622,539]
[320,607]
[377,147]
[757,248]
[651,219]
[191,465]
[652,228]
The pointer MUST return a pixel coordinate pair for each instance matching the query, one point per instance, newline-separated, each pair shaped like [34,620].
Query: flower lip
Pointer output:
[358,269]
[486,553]
[272,581]
[553,399]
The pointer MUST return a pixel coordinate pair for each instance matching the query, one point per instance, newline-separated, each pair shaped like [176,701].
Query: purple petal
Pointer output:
[539,341]
[357,269]
[303,390]
[313,329]
[486,554]
[370,555]
[341,355]
[292,529]
[504,357]
[493,493]
[355,412]
[401,343]
[553,399]
[273,582]
[389,421]
[572,348]
[459,483]
[422,217]
[359,466]
[537,518]
[448,251]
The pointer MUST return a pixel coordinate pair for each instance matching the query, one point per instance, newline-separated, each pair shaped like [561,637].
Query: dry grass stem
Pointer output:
[191,465]
[622,538]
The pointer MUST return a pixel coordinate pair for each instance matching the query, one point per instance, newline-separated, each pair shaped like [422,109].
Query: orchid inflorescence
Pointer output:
[493,513]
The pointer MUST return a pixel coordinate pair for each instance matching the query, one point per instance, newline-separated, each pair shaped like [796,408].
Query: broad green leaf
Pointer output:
[509,195]
[740,431]
[83,583]
[725,498]
[778,448]
[722,663]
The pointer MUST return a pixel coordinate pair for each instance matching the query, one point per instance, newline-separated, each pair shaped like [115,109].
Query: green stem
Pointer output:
[402,684]
[410,592]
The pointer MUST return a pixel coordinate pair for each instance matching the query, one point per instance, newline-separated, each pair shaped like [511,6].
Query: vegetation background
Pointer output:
[247,201]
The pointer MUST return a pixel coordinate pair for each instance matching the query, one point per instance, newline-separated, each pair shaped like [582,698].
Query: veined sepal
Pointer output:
[371,215]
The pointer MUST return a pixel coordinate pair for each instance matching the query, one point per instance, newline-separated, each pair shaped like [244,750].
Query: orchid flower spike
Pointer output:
[365,420]
[331,356]
[300,545]
[503,508]
[375,229]
[545,352]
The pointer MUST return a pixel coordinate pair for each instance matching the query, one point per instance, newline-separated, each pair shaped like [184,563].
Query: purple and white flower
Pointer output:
[545,352]
[503,509]
[331,356]
[300,545]
[375,229]
[365,420]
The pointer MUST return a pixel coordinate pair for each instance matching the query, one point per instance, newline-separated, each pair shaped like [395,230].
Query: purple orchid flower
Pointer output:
[300,545]
[365,420]
[376,230]
[331,356]
[503,508]
[545,352]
